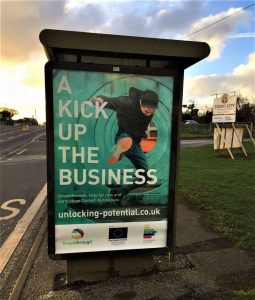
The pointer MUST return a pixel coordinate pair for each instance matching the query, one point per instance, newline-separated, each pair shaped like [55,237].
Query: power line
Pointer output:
[218,21]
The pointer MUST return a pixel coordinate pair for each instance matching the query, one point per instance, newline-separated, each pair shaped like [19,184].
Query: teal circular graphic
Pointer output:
[77,234]
[104,130]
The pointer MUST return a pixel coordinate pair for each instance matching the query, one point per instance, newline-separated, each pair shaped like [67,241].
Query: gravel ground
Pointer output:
[206,267]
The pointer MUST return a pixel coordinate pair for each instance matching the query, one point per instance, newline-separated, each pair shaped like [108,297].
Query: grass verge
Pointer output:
[191,135]
[244,295]
[224,188]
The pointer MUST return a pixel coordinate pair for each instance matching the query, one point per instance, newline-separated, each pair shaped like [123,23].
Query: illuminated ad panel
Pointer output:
[112,135]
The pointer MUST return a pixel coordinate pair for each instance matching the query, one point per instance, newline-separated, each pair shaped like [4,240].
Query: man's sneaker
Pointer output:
[121,147]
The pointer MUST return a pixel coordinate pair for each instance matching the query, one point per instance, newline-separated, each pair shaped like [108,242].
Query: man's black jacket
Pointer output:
[130,118]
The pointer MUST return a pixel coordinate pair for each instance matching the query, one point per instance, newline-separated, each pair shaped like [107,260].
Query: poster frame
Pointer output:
[177,75]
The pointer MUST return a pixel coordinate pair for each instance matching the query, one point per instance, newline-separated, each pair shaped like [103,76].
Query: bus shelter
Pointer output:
[98,203]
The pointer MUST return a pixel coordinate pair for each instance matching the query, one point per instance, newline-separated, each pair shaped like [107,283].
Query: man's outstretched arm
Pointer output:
[113,103]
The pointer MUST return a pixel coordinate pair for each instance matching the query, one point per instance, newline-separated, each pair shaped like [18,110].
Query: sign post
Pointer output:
[224,111]
[250,134]
[226,136]
[217,141]
[239,139]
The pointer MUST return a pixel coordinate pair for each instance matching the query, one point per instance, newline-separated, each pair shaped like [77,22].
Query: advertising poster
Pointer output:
[112,135]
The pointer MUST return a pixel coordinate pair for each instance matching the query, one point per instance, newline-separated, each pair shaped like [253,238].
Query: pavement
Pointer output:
[207,266]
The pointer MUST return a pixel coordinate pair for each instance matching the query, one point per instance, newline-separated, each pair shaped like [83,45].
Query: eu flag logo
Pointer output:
[118,233]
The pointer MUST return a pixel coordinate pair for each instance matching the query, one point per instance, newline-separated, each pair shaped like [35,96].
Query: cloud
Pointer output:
[25,99]
[88,17]
[242,35]
[155,18]
[22,22]
[241,80]
[216,35]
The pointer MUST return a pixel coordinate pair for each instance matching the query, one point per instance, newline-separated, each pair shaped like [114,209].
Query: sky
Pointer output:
[230,66]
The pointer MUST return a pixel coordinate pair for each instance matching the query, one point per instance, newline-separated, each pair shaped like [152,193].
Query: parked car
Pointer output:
[191,122]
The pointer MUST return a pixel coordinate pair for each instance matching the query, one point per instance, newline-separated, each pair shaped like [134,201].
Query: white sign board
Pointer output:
[224,109]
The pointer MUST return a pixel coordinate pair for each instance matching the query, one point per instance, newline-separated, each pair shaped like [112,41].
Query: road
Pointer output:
[22,172]
[23,175]
[195,143]
[12,138]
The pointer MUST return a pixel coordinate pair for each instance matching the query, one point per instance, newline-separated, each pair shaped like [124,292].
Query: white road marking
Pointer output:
[14,210]
[37,137]
[21,159]
[21,147]
[14,238]
[22,151]
[16,153]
